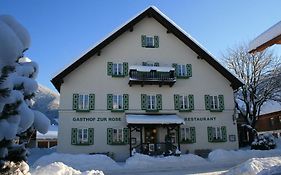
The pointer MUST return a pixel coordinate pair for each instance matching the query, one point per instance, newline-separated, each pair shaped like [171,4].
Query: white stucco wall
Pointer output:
[91,77]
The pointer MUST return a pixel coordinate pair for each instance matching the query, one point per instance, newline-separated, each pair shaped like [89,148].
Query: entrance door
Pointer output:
[150,135]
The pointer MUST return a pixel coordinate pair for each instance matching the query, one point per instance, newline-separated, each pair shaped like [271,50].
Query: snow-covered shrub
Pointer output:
[17,88]
[264,142]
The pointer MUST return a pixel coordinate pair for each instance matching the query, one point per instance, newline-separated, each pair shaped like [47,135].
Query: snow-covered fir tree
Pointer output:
[17,88]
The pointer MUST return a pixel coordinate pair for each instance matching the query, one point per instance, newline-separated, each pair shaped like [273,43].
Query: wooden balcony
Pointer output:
[152,76]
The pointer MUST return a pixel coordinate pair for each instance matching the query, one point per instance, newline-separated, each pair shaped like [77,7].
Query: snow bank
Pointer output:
[141,161]
[260,166]
[58,168]
[220,155]
[80,162]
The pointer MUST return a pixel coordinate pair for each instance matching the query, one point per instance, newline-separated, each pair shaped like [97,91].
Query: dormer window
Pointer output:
[150,41]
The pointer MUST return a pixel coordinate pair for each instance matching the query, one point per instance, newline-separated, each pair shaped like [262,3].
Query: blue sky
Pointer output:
[61,30]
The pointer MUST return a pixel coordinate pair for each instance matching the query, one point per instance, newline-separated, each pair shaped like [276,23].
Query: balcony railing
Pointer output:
[152,77]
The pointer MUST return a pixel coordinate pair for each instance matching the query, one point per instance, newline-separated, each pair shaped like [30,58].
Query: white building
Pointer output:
[148,86]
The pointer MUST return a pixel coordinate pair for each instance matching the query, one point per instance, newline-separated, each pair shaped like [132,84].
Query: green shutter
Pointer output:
[177,101]
[192,135]
[143,101]
[126,101]
[189,70]
[73,136]
[92,101]
[156,41]
[191,102]
[91,136]
[207,102]
[224,134]
[109,101]
[159,101]
[221,102]
[210,134]
[125,69]
[156,64]
[109,136]
[143,41]
[175,66]
[75,100]
[109,68]
[126,135]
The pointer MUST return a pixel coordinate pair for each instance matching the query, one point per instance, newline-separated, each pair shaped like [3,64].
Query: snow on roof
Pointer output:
[266,36]
[154,119]
[150,68]
[24,60]
[51,134]
[269,107]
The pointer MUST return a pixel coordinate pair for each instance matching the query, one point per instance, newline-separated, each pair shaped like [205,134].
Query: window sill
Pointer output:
[118,143]
[117,110]
[118,76]
[182,77]
[185,110]
[149,47]
[82,144]
[152,110]
[186,142]
[82,110]
[216,110]
[217,141]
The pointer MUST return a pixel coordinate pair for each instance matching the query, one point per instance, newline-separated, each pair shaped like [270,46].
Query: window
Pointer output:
[183,102]
[83,103]
[151,100]
[117,136]
[82,136]
[117,102]
[117,69]
[181,70]
[217,134]
[187,135]
[214,103]
[150,41]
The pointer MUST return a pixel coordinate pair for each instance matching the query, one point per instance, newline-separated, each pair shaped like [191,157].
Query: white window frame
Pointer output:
[149,40]
[117,102]
[117,68]
[83,102]
[217,132]
[117,135]
[184,102]
[181,70]
[84,137]
[214,102]
[151,102]
[185,134]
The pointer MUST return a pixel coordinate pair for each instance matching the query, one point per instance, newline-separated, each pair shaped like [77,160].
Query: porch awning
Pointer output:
[154,119]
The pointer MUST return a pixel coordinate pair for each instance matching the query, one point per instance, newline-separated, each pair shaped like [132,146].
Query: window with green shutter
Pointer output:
[149,41]
[187,135]
[117,103]
[214,103]
[182,71]
[189,70]
[117,136]
[126,101]
[151,103]
[117,69]
[143,101]
[175,66]
[82,136]
[159,101]
[83,102]
[217,134]
[184,103]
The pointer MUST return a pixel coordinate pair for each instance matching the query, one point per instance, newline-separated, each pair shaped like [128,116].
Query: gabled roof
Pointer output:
[268,38]
[171,27]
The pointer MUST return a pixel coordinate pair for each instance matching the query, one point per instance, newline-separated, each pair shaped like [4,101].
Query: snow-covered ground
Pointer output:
[220,161]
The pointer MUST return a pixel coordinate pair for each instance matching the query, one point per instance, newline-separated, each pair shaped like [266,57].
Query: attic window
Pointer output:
[150,41]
